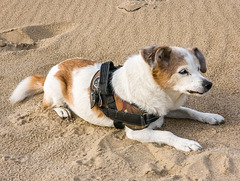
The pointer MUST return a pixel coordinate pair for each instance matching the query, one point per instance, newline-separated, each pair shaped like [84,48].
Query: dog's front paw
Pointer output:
[187,145]
[212,118]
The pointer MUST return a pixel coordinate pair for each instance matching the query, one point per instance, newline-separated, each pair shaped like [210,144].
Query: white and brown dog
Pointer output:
[157,80]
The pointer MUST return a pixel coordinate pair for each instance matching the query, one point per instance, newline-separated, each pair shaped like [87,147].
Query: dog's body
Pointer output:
[157,80]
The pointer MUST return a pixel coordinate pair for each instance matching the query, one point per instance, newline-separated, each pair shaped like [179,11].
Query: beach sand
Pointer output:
[36,144]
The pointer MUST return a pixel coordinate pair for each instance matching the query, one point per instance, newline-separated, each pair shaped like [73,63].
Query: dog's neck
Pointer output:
[134,83]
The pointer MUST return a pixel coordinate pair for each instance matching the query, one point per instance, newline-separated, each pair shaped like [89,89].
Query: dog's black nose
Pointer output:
[207,85]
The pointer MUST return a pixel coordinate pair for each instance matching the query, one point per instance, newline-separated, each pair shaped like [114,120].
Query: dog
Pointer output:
[157,80]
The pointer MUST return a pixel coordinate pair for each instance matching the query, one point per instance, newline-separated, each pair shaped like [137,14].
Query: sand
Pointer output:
[38,145]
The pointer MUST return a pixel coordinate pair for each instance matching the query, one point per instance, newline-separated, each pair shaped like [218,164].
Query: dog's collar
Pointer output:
[122,112]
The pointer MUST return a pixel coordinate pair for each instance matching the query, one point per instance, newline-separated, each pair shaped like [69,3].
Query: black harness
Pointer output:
[102,94]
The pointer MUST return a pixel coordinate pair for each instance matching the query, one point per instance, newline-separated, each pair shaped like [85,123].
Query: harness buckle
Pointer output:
[100,102]
[143,120]
[94,95]
[147,119]
[92,99]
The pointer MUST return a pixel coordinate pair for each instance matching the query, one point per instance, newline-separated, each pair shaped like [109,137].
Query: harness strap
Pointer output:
[139,121]
[101,92]
[106,73]
[106,91]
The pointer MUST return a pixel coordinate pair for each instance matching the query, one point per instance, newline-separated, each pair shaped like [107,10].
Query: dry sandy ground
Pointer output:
[35,35]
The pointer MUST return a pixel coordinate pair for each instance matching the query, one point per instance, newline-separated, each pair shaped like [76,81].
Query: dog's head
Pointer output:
[178,68]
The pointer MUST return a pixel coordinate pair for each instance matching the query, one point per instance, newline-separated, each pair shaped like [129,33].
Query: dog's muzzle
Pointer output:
[206,85]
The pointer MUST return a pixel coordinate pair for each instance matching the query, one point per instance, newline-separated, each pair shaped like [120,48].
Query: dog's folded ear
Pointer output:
[154,54]
[163,55]
[201,59]
[148,54]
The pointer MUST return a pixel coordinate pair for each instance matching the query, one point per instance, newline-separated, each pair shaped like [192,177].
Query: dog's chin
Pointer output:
[191,92]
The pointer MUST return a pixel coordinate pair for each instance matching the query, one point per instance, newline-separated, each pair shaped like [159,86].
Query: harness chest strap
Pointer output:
[135,118]
[122,112]
[132,121]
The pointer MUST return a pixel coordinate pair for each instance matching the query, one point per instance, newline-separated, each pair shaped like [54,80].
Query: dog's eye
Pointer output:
[183,72]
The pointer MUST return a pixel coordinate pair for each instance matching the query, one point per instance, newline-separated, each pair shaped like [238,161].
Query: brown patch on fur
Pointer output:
[163,72]
[37,82]
[124,106]
[64,75]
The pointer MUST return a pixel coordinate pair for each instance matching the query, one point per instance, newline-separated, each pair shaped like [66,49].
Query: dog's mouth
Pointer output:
[195,92]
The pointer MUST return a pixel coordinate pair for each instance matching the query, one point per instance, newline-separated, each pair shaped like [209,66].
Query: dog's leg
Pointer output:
[162,137]
[186,113]
[53,95]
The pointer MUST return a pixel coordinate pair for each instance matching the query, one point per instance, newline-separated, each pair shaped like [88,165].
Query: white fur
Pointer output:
[81,106]
[81,103]
[52,89]
[24,91]
[134,83]
[186,113]
[163,137]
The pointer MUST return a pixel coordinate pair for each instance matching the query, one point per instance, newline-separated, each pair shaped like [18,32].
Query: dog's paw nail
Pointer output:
[219,120]
[64,113]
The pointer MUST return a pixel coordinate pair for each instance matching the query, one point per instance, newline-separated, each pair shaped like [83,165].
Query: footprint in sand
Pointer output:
[16,39]
[26,38]
[202,166]
[134,5]
[15,159]
[20,120]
